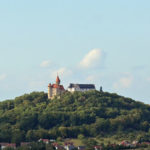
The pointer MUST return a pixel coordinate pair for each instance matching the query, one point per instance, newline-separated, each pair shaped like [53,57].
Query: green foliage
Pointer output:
[81,137]
[89,114]
[37,146]
[8,148]
[90,143]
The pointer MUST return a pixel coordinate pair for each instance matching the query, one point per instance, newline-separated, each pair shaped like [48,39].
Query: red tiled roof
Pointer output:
[11,145]
[4,144]
[45,140]
[8,144]
[56,86]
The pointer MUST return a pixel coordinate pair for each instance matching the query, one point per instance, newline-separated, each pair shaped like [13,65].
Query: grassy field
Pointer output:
[106,141]
[76,142]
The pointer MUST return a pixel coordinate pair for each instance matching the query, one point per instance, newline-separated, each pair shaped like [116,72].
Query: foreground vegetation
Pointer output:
[91,114]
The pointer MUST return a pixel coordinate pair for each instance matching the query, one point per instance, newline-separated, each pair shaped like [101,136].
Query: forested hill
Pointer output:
[91,114]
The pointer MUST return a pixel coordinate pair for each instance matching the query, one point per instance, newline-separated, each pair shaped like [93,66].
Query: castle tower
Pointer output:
[49,91]
[57,80]
[55,89]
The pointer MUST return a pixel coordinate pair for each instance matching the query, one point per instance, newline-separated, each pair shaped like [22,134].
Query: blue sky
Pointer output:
[100,42]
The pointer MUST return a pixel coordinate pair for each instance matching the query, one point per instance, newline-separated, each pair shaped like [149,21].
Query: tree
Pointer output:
[17,136]
[90,143]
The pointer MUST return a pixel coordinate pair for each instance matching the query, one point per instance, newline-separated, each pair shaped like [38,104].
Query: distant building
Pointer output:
[98,147]
[57,146]
[69,146]
[81,147]
[46,141]
[55,89]
[7,145]
[125,143]
[80,87]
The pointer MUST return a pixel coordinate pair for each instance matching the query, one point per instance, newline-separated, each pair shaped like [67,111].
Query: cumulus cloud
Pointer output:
[2,77]
[124,82]
[62,72]
[93,59]
[45,63]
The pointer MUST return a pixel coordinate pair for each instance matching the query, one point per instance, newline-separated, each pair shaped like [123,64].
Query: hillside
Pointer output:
[90,114]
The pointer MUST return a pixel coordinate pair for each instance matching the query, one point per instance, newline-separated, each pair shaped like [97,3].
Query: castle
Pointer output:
[80,87]
[57,89]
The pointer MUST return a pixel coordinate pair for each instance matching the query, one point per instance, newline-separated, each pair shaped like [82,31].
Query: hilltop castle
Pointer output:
[55,89]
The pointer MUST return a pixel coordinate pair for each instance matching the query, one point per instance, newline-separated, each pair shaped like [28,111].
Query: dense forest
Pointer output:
[89,114]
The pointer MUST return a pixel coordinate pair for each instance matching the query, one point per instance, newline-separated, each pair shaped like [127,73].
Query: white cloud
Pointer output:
[93,59]
[2,77]
[62,72]
[123,82]
[45,63]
